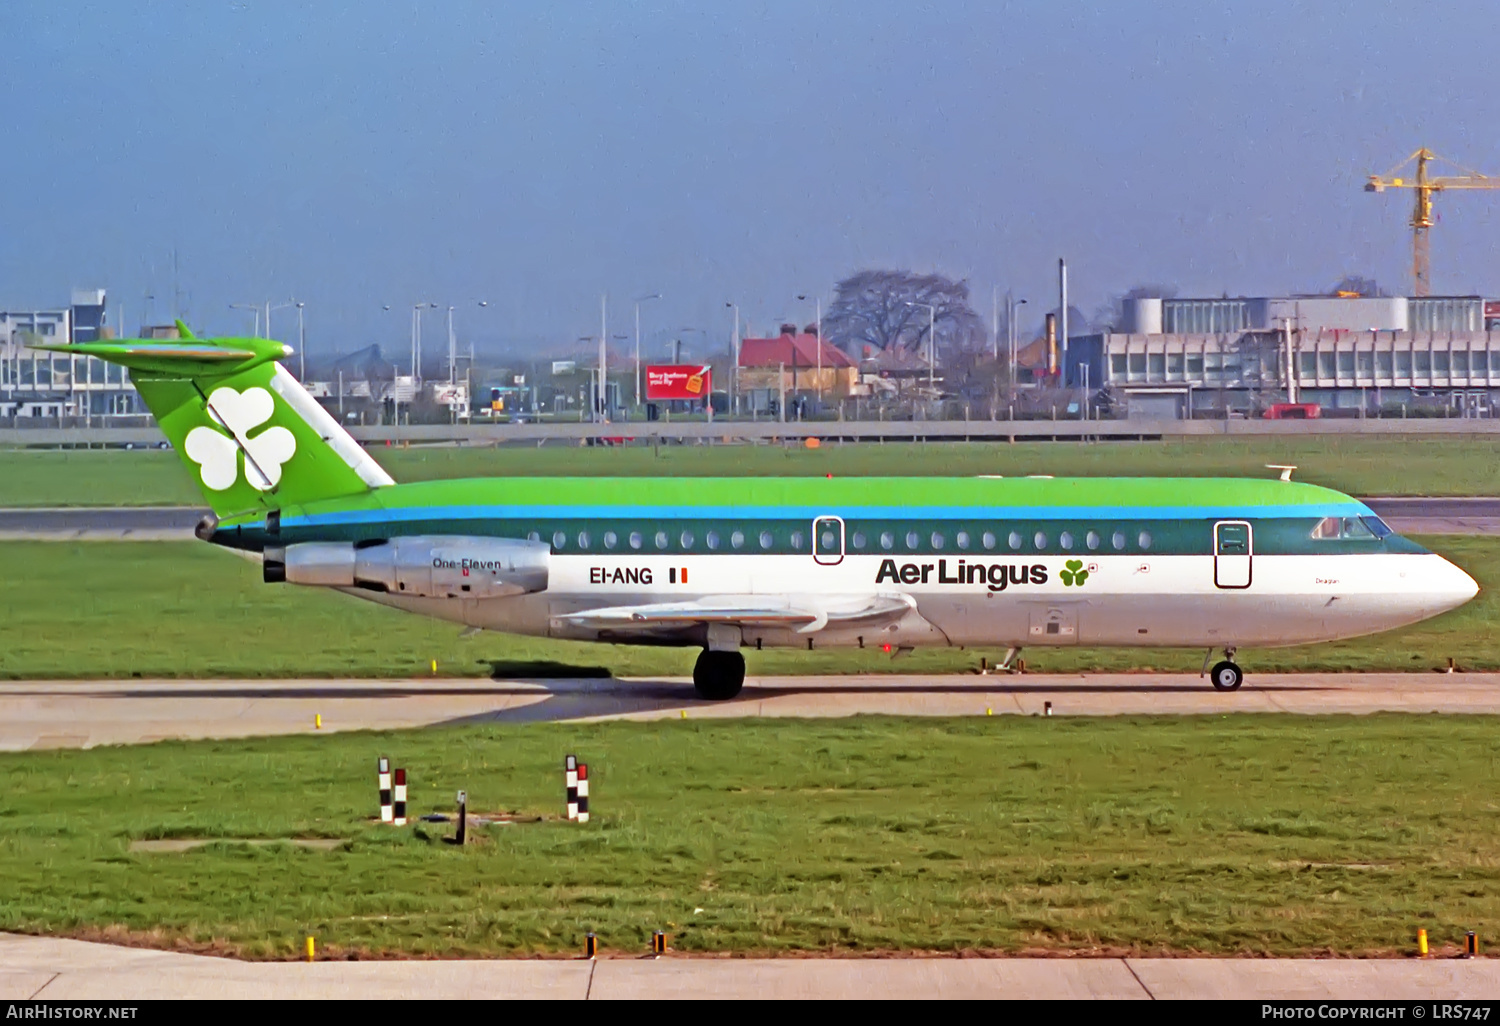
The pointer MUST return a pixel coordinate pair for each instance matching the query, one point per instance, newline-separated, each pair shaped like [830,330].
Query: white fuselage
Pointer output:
[1124,600]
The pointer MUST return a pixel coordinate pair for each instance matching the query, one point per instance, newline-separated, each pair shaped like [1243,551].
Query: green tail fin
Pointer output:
[250,434]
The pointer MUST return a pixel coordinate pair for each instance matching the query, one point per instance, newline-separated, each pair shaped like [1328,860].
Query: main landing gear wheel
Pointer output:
[719,675]
[1226,676]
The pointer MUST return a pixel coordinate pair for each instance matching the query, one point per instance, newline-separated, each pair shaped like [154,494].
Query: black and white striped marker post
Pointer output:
[583,792]
[387,814]
[400,810]
[570,782]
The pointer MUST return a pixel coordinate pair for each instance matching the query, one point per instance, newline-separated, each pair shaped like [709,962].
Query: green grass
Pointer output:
[1358,466]
[189,610]
[1246,834]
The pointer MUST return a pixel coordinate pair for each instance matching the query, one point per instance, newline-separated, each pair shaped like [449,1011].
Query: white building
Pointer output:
[35,384]
[1388,356]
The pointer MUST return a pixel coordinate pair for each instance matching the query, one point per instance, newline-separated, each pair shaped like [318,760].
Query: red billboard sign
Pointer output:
[678,381]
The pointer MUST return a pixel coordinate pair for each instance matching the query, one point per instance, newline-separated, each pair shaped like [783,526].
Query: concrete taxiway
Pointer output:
[49,969]
[53,714]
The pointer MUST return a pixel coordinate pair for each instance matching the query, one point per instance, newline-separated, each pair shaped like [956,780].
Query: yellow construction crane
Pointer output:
[1421,216]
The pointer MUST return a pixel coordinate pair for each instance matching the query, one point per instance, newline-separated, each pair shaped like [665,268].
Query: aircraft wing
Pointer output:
[804,614]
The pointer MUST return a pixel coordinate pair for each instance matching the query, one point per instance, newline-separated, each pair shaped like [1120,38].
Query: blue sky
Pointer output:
[534,155]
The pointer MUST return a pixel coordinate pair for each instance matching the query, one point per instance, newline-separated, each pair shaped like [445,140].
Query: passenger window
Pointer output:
[737,539]
[559,540]
[1014,540]
[963,539]
[609,539]
[1039,540]
[1066,540]
[686,539]
[583,539]
[913,539]
[712,538]
[799,541]
[1091,540]
[887,540]
[1144,539]
[661,539]
[636,540]
[1118,541]
[988,540]
[766,540]
[937,540]
[857,539]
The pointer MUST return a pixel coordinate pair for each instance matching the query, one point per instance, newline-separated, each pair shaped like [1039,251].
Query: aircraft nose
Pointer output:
[1451,587]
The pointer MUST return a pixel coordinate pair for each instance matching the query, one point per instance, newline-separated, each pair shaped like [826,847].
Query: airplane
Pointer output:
[726,564]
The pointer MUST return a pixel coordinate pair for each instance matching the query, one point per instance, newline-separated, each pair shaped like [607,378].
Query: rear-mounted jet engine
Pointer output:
[439,566]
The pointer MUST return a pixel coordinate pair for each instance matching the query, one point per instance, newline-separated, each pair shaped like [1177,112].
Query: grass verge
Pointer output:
[167,609]
[1454,465]
[1245,835]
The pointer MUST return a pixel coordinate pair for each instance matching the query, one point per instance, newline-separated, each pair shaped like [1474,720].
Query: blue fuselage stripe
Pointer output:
[800,513]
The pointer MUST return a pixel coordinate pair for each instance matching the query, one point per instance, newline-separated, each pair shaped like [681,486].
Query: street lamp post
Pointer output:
[639,300]
[931,341]
[703,341]
[1010,332]
[818,327]
[279,306]
[601,404]
[416,340]
[734,360]
[253,308]
[301,346]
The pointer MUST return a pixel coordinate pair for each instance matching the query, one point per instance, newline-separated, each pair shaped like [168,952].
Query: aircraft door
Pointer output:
[1232,552]
[828,540]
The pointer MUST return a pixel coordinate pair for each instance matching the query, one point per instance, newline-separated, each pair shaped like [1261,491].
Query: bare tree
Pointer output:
[1358,285]
[888,310]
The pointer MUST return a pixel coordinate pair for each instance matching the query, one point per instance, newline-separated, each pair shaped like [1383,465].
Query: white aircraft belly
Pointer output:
[1139,600]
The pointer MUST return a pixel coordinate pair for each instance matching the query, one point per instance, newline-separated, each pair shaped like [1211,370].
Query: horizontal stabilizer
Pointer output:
[801,613]
[179,358]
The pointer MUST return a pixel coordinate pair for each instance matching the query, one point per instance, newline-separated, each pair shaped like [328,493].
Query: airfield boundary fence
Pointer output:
[731,432]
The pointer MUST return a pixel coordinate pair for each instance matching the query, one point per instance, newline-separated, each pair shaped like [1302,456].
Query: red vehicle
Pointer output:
[1293,411]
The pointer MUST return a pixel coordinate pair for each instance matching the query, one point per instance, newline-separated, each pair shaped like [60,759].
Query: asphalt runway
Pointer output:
[1464,515]
[53,714]
[50,969]
[125,523]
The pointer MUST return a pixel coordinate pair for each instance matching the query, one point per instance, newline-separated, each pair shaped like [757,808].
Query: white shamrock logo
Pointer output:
[217,455]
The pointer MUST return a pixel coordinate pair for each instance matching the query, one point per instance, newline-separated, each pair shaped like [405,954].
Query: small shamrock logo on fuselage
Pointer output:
[1073,573]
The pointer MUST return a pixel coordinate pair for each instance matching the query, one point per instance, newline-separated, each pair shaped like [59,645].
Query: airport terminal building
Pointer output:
[40,386]
[1392,357]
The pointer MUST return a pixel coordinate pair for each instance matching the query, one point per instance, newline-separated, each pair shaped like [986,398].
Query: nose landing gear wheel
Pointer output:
[719,675]
[1226,676]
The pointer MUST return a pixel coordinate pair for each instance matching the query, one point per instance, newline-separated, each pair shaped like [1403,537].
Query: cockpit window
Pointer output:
[1351,528]
[1328,527]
